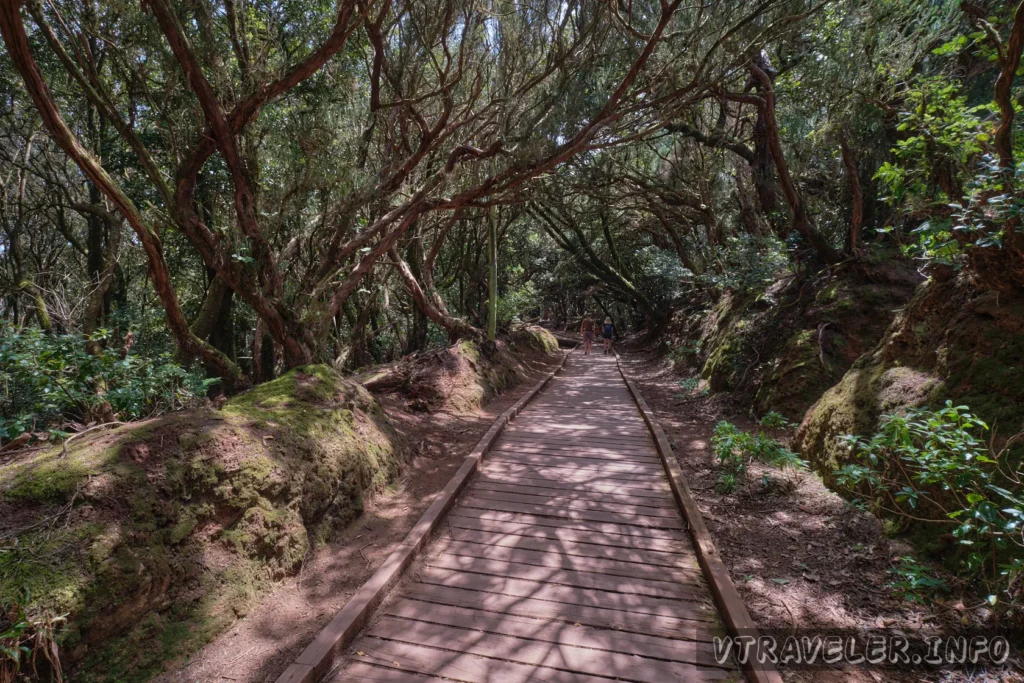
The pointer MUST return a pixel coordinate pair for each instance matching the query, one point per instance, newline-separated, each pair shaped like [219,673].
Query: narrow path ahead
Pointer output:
[566,559]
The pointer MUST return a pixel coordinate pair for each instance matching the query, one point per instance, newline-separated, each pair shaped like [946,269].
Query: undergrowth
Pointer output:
[736,448]
[28,643]
[932,468]
[47,380]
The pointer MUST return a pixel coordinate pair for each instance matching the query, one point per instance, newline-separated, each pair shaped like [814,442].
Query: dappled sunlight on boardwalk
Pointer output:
[566,559]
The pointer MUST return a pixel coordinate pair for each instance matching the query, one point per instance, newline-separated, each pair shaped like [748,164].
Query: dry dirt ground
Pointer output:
[262,644]
[801,557]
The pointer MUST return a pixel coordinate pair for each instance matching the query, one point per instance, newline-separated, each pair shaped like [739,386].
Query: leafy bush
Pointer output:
[735,449]
[46,379]
[915,582]
[27,641]
[686,354]
[750,263]
[933,467]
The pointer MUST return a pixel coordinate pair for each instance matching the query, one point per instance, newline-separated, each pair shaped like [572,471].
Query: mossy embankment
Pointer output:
[781,347]
[156,536]
[953,341]
[463,376]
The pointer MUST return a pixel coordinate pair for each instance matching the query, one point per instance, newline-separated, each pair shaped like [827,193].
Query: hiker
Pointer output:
[587,329]
[607,330]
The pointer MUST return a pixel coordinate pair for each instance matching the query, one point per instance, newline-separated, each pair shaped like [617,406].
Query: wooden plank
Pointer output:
[693,589]
[643,491]
[556,559]
[361,672]
[537,543]
[565,657]
[562,416]
[604,432]
[733,611]
[455,666]
[570,475]
[572,439]
[559,632]
[647,455]
[572,595]
[573,502]
[576,524]
[580,463]
[649,521]
[568,441]
[569,534]
[320,655]
[682,625]
[609,495]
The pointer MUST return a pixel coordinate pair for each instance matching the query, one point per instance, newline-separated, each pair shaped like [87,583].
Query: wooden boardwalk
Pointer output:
[566,559]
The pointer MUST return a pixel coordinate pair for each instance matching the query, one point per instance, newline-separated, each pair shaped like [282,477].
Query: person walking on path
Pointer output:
[607,330]
[587,329]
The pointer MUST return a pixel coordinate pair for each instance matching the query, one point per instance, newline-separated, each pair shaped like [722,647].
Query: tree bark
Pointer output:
[104,247]
[857,219]
[492,276]
[455,327]
[801,220]
[13,30]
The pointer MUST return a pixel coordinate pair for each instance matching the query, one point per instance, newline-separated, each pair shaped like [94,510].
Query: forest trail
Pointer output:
[566,559]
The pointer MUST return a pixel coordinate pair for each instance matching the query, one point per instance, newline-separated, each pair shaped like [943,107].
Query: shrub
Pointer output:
[932,467]
[735,448]
[47,379]
[26,642]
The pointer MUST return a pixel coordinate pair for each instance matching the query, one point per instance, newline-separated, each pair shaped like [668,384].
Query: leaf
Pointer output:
[781,582]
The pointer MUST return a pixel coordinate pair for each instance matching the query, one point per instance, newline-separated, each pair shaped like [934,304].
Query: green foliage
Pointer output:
[45,379]
[26,641]
[933,466]
[735,449]
[775,422]
[513,303]
[915,582]
[750,263]
[686,353]
[691,388]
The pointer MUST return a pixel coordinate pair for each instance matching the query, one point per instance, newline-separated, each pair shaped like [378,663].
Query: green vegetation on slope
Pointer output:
[166,531]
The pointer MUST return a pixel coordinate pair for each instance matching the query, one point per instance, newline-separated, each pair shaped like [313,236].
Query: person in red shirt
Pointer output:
[587,330]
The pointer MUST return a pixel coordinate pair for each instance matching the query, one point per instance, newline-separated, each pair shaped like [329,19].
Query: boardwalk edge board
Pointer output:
[320,656]
[727,599]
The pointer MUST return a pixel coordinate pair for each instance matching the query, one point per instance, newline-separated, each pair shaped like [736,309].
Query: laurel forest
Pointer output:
[256,257]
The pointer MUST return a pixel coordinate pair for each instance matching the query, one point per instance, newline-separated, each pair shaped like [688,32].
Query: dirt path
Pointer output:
[262,644]
[801,557]
[565,559]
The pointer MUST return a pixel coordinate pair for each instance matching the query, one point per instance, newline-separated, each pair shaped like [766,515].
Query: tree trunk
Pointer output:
[455,327]
[801,220]
[492,276]
[857,219]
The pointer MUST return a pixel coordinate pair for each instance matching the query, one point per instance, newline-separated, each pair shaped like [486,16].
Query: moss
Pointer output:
[54,477]
[181,526]
[42,565]
[188,520]
[533,338]
[953,341]
[796,378]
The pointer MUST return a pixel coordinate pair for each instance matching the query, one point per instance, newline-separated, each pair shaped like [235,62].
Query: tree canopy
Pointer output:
[257,186]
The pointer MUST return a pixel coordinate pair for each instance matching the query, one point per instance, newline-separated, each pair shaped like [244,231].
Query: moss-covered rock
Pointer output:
[952,341]
[166,531]
[781,348]
[461,377]
[532,339]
